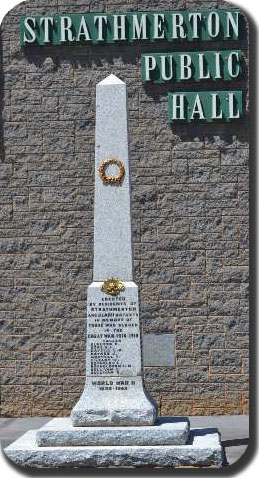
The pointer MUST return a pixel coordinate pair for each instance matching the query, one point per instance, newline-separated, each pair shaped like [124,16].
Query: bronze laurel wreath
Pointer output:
[111,179]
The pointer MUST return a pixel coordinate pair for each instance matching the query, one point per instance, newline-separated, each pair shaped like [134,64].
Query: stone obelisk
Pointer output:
[114,392]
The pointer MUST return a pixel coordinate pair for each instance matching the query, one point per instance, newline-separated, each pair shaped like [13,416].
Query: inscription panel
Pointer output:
[113,334]
[127,384]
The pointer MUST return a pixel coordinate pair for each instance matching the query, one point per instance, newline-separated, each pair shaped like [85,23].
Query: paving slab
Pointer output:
[234,430]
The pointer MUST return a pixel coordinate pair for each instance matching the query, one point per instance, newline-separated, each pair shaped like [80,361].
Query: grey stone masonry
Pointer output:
[190,198]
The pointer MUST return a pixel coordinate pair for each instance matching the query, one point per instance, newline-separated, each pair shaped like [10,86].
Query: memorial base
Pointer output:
[114,392]
[132,406]
[169,443]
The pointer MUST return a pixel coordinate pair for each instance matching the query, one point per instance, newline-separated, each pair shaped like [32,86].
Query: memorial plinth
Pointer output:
[60,432]
[115,421]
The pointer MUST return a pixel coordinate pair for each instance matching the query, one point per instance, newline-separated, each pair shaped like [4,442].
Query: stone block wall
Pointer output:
[189,212]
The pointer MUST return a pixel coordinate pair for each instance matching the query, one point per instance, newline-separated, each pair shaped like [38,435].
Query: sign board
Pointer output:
[187,25]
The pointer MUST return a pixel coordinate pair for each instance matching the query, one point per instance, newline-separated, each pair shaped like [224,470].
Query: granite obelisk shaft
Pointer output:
[112,217]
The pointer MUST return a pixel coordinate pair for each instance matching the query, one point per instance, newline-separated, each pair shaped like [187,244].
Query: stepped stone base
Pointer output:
[203,448]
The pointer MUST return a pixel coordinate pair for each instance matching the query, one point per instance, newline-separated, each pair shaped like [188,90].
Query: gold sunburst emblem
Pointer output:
[111,179]
[112,287]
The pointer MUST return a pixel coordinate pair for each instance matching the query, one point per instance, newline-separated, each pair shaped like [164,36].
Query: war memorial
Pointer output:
[134,164]
[122,417]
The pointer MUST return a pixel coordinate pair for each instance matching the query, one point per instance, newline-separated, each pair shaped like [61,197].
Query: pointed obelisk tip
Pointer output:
[111,80]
